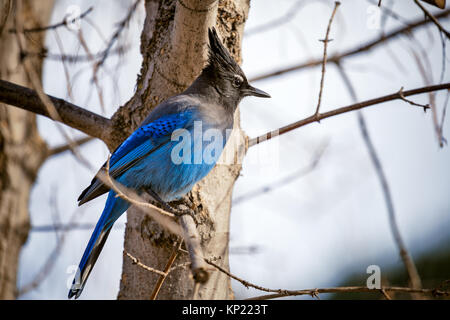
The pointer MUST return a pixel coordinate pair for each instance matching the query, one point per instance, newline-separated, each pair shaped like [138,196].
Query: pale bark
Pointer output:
[173,48]
[21,148]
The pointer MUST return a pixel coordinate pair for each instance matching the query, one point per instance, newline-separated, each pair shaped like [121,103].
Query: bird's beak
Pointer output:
[252,91]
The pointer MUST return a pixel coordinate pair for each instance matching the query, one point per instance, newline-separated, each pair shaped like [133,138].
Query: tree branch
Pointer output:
[64,22]
[324,62]
[435,21]
[315,292]
[354,51]
[278,293]
[353,107]
[71,115]
[167,268]
[66,147]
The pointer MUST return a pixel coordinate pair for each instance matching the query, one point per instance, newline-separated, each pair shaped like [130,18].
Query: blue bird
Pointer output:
[166,156]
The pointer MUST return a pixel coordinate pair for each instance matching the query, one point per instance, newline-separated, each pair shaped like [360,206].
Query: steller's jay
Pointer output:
[149,159]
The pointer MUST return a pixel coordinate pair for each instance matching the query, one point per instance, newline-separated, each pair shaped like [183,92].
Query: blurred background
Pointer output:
[322,218]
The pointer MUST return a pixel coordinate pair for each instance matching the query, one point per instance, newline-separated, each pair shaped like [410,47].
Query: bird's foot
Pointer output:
[179,207]
[183,210]
[183,207]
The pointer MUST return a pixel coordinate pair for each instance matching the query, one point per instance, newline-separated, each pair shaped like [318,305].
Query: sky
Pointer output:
[319,228]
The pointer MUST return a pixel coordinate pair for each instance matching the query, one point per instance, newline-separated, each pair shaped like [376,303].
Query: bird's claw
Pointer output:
[182,210]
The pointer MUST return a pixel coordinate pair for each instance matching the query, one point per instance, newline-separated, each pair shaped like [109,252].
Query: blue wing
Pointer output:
[145,140]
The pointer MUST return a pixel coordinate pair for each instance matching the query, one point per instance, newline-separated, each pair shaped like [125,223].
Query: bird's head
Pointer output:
[225,75]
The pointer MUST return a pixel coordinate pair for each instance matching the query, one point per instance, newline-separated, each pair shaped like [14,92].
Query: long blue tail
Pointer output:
[113,210]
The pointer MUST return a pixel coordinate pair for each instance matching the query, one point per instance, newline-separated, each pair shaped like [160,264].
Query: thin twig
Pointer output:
[74,58]
[324,61]
[352,51]
[121,25]
[69,227]
[64,22]
[167,269]
[394,96]
[313,292]
[245,283]
[66,147]
[278,293]
[94,70]
[385,294]
[424,106]
[426,73]
[140,264]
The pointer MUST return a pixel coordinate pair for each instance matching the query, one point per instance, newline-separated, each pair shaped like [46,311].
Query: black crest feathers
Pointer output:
[218,56]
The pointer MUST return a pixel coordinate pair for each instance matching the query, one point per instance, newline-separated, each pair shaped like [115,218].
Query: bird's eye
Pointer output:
[237,81]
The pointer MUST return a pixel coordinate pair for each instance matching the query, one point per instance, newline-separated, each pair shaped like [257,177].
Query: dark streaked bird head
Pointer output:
[225,75]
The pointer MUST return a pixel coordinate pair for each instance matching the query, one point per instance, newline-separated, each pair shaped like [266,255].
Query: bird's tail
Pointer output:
[113,210]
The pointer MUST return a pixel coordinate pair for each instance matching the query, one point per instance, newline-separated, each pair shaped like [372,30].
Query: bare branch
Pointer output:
[66,147]
[68,227]
[315,292]
[121,25]
[140,264]
[424,106]
[64,22]
[324,62]
[77,58]
[278,293]
[426,73]
[71,115]
[353,107]
[167,269]
[353,51]
[435,21]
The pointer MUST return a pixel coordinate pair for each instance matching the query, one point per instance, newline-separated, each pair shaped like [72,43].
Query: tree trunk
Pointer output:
[173,45]
[21,148]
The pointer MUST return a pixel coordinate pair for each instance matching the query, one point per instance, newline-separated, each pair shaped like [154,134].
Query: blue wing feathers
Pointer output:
[154,131]
[140,143]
